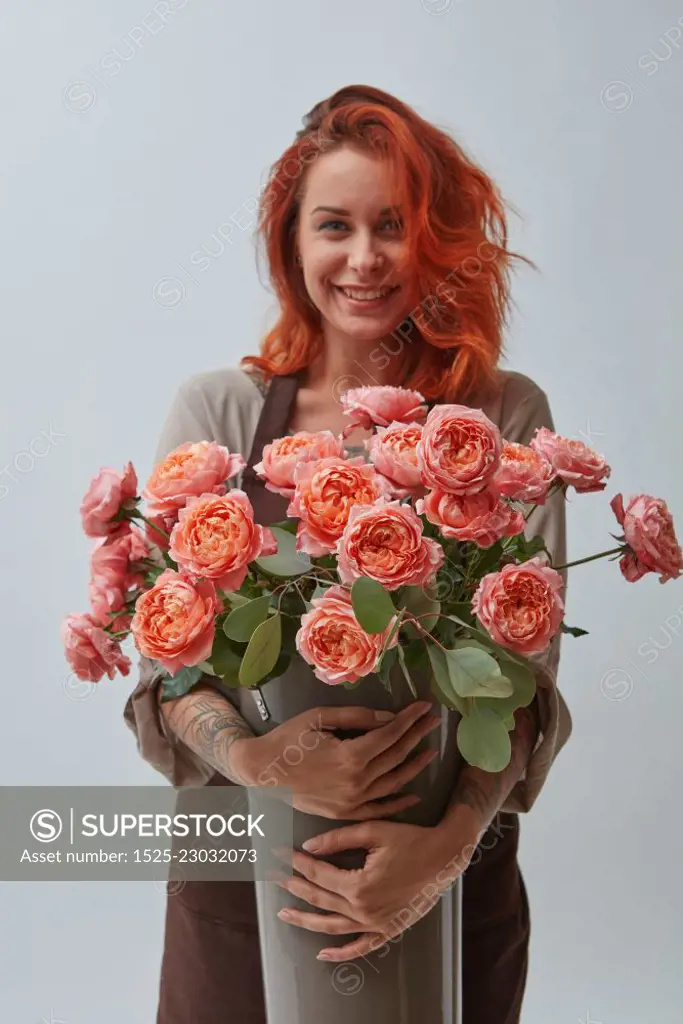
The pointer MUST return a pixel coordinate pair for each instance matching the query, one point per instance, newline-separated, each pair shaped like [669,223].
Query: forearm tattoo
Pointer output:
[209,725]
[486,792]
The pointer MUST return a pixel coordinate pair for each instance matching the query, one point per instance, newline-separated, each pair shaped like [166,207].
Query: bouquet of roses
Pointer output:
[414,558]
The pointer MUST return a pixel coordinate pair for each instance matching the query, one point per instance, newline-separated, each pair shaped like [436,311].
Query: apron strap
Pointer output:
[274,419]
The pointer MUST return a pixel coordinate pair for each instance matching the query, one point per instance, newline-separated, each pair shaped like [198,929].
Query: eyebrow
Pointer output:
[347,213]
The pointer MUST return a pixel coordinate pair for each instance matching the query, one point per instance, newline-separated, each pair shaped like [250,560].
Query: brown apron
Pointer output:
[211,967]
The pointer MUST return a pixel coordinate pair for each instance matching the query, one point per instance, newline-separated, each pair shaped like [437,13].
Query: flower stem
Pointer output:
[135,514]
[591,558]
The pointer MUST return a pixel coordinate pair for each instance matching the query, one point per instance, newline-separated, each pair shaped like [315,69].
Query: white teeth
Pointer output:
[366,296]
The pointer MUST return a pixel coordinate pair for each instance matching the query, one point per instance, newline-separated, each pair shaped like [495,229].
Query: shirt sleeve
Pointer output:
[522,414]
[187,420]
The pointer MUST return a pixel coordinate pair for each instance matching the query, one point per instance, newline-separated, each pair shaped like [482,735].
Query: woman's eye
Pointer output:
[329,223]
[395,224]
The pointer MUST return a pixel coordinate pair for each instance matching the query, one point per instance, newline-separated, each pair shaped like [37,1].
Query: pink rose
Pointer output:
[393,452]
[649,532]
[385,543]
[326,490]
[521,606]
[174,622]
[105,496]
[523,474]
[380,406]
[216,537]
[113,572]
[459,450]
[482,518]
[281,457]
[332,640]
[574,462]
[188,471]
[165,520]
[90,651]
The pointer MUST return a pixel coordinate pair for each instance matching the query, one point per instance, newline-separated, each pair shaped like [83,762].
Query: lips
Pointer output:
[367,296]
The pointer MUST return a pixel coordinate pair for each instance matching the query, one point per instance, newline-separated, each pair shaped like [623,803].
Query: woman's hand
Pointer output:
[407,870]
[335,778]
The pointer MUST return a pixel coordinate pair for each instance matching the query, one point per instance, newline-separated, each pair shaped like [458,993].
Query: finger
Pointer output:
[396,755]
[367,943]
[392,781]
[327,876]
[317,897]
[369,811]
[348,837]
[331,924]
[373,743]
[352,718]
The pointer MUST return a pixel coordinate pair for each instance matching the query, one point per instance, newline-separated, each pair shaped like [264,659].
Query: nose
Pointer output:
[364,257]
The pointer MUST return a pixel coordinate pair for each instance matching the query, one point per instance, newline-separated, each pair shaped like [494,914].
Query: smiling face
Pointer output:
[349,241]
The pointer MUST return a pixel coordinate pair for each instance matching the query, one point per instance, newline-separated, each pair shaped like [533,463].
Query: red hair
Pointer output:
[456,243]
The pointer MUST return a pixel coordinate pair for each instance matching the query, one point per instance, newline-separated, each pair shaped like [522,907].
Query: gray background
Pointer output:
[111,179]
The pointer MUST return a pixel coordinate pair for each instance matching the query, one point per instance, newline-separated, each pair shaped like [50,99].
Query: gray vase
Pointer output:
[414,978]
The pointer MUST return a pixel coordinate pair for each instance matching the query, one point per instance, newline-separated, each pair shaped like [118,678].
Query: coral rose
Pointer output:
[106,495]
[574,462]
[483,518]
[332,640]
[281,457]
[91,651]
[326,490]
[521,606]
[523,474]
[393,452]
[113,572]
[380,406]
[165,521]
[174,622]
[189,470]
[216,538]
[649,532]
[385,543]
[459,451]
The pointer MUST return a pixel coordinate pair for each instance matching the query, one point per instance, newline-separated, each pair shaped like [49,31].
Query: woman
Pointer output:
[387,250]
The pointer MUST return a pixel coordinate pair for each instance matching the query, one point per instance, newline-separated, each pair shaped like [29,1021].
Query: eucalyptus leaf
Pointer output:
[474,673]
[406,671]
[415,600]
[441,685]
[225,659]
[484,741]
[288,561]
[289,525]
[386,663]
[242,621]
[234,597]
[524,688]
[263,650]
[372,605]
[181,683]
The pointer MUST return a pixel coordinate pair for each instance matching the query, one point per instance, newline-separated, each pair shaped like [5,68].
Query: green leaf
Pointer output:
[263,650]
[386,663]
[474,673]
[289,525]
[372,605]
[573,630]
[509,722]
[225,659]
[207,667]
[405,670]
[415,600]
[243,620]
[320,591]
[288,561]
[441,685]
[484,741]
[180,683]
[234,597]
[524,688]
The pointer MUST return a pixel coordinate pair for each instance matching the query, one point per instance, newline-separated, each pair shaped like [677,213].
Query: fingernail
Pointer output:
[324,956]
[311,845]
[384,716]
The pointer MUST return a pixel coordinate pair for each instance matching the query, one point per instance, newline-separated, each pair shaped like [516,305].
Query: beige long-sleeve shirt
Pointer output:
[224,405]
